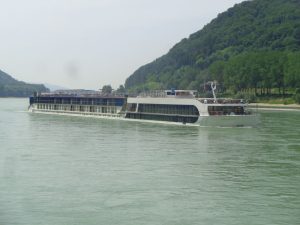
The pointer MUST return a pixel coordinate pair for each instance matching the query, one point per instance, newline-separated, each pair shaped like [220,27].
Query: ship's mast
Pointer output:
[213,86]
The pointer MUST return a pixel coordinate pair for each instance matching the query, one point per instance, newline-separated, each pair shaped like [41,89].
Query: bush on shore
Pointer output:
[297,96]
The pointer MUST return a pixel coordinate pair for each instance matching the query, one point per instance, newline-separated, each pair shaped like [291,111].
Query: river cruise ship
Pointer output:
[170,106]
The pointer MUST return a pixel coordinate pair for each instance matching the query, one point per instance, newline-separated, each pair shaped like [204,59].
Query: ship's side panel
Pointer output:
[78,105]
[228,115]
[180,110]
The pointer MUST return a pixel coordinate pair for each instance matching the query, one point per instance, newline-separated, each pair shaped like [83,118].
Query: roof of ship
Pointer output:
[81,93]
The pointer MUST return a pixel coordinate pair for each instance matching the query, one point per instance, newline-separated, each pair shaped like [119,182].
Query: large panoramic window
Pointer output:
[226,110]
[164,112]
[168,109]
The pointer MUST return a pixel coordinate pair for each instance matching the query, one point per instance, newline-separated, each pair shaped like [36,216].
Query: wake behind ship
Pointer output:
[170,106]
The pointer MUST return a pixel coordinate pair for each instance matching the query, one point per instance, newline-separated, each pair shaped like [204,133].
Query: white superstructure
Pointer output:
[182,106]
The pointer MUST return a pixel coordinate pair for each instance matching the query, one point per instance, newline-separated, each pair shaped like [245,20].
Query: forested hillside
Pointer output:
[254,46]
[9,87]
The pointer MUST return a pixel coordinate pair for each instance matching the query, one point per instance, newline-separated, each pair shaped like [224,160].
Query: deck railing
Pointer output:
[221,101]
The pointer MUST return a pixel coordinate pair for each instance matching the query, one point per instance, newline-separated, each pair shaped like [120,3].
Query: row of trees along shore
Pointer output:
[259,72]
[107,89]
[251,71]
[247,75]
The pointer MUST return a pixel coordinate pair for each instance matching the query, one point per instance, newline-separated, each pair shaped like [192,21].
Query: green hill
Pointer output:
[253,45]
[9,87]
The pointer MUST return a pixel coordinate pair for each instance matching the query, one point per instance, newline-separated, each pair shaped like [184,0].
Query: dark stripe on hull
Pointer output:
[160,117]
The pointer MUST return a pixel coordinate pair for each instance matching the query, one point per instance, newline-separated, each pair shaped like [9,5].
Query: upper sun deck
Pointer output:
[221,101]
[169,94]
[79,93]
[78,97]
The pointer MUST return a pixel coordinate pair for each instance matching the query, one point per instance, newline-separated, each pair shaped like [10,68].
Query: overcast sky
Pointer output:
[90,43]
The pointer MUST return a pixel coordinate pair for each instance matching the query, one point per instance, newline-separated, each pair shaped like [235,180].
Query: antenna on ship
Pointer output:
[213,86]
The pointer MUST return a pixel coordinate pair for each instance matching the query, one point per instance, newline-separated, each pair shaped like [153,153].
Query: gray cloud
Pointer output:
[72,70]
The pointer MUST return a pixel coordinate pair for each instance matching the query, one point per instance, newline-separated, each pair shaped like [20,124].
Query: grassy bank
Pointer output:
[277,101]
[289,97]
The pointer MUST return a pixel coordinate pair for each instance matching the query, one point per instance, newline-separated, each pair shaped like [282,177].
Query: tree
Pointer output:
[107,89]
[217,71]
[292,70]
[121,89]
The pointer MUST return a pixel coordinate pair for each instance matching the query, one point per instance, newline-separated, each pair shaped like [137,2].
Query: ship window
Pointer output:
[168,109]
[226,110]
[131,107]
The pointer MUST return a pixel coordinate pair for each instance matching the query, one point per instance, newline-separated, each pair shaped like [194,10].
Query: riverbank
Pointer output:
[266,106]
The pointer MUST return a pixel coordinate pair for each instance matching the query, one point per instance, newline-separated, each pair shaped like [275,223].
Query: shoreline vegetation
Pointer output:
[268,106]
[10,87]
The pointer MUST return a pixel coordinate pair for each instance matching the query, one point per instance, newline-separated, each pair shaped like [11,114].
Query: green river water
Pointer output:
[63,170]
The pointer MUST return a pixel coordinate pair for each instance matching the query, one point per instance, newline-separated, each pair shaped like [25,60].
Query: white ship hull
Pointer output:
[181,110]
